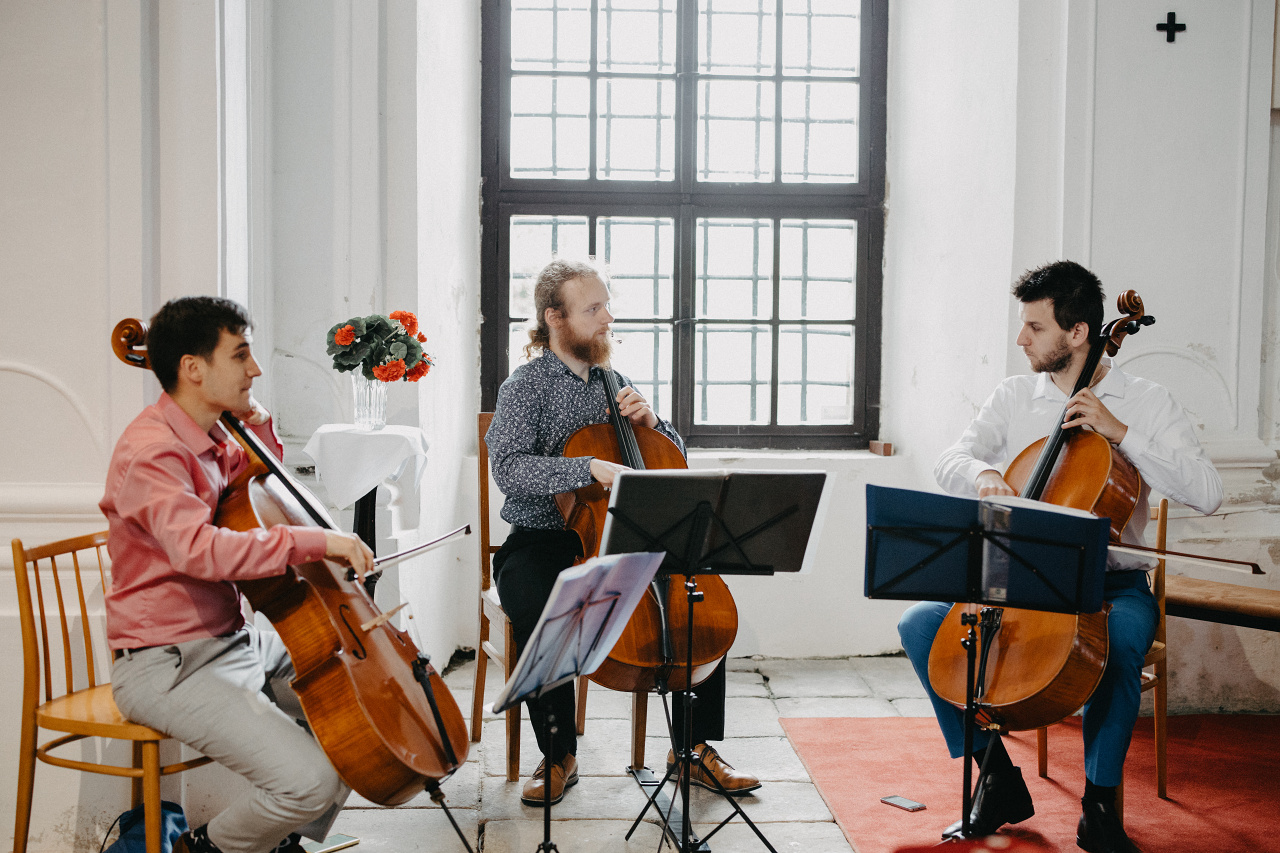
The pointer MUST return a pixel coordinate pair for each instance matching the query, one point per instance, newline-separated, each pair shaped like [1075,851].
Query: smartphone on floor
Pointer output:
[903,803]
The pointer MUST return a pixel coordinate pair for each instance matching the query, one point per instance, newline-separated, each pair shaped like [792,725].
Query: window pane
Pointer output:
[734,269]
[819,132]
[732,364]
[518,337]
[815,375]
[736,36]
[637,35]
[818,266]
[551,35]
[638,254]
[642,352]
[820,37]
[534,241]
[637,129]
[549,118]
[735,131]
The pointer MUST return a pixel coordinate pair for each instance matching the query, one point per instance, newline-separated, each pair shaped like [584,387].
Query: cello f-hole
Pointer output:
[357,645]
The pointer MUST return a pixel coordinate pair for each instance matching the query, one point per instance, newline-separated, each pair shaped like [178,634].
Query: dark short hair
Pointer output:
[190,325]
[1076,293]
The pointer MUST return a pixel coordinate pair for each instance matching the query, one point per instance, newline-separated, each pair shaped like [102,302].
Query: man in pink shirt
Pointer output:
[186,662]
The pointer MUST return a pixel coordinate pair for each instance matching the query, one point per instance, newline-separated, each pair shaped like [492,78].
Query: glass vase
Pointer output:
[371,401]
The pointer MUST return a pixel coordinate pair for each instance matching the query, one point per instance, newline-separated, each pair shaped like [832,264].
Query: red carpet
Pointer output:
[1224,782]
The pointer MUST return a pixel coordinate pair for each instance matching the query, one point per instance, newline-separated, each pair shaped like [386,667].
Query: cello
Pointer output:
[379,710]
[1041,667]
[653,647]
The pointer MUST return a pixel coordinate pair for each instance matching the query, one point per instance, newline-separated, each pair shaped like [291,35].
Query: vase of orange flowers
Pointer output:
[378,350]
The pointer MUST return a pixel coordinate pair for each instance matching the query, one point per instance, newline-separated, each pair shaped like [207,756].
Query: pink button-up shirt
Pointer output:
[173,572]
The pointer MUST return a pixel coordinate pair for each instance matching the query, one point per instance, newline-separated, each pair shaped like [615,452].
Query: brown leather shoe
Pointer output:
[564,773]
[711,768]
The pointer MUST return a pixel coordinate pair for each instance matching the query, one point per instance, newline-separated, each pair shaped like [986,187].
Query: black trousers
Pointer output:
[525,569]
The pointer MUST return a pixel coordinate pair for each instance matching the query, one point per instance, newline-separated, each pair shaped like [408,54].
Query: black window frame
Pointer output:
[687,201]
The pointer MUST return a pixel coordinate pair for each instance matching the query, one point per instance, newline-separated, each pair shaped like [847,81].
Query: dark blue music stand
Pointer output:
[1004,552]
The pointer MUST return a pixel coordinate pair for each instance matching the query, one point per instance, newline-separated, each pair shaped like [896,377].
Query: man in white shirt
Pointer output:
[1062,309]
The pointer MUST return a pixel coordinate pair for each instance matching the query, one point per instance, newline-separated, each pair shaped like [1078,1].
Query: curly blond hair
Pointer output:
[548,292]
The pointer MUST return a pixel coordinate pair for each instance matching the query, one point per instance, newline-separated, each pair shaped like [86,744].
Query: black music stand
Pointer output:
[587,609]
[710,522]
[999,551]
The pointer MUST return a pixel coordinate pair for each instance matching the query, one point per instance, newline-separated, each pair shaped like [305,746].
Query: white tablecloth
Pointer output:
[351,461]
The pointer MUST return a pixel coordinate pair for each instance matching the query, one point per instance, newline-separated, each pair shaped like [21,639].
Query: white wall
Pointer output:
[110,198]
[448,270]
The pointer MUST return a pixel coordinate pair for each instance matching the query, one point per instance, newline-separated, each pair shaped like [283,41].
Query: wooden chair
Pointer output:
[1155,673]
[83,707]
[491,616]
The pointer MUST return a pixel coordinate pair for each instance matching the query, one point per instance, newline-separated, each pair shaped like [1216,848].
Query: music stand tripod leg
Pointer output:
[694,596]
[656,799]
[549,729]
[970,643]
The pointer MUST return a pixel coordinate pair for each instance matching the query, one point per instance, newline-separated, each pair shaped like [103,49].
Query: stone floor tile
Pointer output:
[579,836]
[605,749]
[814,678]
[790,837]
[748,716]
[745,683]
[463,698]
[463,676]
[742,664]
[889,677]
[836,706]
[772,803]
[594,797]
[745,716]
[613,704]
[407,830]
[914,707]
[461,790]
[493,739]
[770,759]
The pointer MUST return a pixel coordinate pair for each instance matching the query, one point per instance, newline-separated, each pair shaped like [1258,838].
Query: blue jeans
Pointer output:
[1109,714]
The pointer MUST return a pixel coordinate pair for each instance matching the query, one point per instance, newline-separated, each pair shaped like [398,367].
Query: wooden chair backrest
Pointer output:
[482,471]
[57,571]
[1160,514]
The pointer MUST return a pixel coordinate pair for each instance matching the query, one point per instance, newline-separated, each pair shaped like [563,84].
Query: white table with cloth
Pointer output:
[353,462]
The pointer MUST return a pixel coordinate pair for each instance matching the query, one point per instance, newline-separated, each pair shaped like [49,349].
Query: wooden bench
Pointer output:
[1224,603]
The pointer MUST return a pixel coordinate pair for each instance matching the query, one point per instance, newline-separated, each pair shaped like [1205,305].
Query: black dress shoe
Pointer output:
[1002,798]
[1100,829]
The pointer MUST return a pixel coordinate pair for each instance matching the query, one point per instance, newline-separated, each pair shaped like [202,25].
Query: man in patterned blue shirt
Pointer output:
[539,406]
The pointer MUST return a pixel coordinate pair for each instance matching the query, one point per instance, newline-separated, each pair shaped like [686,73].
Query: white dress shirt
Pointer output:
[1161,443]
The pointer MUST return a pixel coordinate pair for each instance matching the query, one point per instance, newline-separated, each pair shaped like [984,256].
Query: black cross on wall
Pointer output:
[1171,27]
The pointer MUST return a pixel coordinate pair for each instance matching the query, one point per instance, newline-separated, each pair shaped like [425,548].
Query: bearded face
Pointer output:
[582,328]
[593,348]
[1056,360]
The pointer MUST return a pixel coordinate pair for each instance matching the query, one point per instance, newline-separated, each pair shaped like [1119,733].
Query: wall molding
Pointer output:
[92,425]
[51,501]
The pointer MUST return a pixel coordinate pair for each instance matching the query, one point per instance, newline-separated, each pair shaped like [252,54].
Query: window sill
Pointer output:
[706,457]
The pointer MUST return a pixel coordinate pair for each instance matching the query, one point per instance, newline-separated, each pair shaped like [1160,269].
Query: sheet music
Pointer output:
[585,614]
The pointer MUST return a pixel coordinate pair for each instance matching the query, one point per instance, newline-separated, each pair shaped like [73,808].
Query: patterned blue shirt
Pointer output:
[540,405]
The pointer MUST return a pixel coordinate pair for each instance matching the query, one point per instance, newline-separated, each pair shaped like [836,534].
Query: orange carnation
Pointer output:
[344,336]
[390,372]
[407,320]
[422,339]
[418,371]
